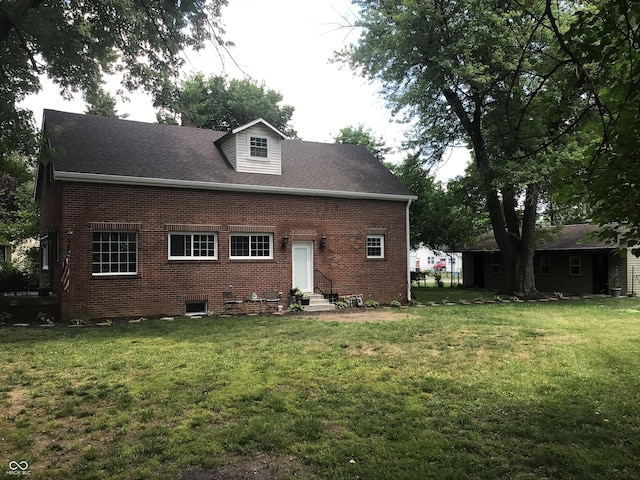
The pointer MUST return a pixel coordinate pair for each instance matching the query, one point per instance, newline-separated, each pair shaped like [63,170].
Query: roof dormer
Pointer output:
[254,148]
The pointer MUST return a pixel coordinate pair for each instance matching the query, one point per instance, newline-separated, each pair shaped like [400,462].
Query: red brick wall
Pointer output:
[162,286]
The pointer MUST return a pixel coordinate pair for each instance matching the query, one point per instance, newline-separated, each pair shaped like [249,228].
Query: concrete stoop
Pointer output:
[317,303]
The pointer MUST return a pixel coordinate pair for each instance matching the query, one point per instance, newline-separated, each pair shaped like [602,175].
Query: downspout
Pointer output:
[408,252]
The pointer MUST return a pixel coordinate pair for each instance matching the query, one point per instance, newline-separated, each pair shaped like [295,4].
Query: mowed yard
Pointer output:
[518,391]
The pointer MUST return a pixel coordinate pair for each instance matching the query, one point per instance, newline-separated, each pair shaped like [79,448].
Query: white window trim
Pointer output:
[381,237]
[261,137]
[193,257]
[262,234]
[119,274]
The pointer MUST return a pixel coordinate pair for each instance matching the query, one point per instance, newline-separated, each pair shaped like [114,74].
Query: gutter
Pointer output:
[226,187]
[408,250]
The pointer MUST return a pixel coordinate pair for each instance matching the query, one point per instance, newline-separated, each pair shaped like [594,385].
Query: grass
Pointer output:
[522,391]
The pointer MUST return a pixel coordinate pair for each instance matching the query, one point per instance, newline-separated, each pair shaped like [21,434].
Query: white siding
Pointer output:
[245,163]
[633,274]
[228,147]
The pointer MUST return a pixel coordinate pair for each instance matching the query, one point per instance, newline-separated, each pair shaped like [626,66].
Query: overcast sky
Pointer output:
[288,45]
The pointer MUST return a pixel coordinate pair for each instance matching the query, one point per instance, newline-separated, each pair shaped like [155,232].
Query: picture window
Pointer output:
[114,253]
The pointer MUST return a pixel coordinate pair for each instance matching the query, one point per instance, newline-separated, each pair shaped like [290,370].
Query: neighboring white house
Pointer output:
[425,259]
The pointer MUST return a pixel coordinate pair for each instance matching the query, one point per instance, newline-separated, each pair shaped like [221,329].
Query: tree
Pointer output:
[359,136]
[101,103]
[601,41]
[221,104]
[76,43]
[18,212]
[480,72]
[441,218]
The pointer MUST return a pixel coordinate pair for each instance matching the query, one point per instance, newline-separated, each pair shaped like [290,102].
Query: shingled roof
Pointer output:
[110,150]
[566,237]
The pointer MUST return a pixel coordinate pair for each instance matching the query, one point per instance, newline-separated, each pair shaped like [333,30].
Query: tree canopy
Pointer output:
[365,137]
[221,104]
[76,43]
[480,72]
[601,40]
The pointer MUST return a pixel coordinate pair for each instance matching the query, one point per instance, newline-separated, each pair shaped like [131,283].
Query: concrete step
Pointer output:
[317,303]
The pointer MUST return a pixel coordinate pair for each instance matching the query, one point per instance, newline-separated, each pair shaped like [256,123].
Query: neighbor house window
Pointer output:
[115,253]
[495,265]
[575,266]
[193,246]
[244,245]
[259,147]
[545,265]
[375,246]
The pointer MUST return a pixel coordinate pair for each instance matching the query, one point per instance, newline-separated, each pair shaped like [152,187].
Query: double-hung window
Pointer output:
[251,246]
[114,253]
[545,265]
[193,246]
[258,147]
[375,246]
[575,266]
[495,265]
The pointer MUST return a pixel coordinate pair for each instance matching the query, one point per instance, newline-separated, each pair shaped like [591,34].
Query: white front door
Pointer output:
[302,265]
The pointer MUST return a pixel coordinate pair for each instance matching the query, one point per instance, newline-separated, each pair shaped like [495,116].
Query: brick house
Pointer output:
[157,219]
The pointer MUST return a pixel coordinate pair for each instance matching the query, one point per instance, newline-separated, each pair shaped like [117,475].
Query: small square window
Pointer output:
[375,246]
[259,147]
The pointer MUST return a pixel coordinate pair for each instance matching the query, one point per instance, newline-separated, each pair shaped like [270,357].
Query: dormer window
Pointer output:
[259,147]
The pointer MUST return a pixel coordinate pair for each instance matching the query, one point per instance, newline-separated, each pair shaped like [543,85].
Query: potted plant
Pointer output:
[614,282]
[305,300]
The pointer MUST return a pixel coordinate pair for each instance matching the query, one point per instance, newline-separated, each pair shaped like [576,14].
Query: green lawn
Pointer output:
[518,391]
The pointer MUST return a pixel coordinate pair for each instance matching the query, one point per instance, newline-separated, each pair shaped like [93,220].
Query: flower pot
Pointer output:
[615,292]
[305,301]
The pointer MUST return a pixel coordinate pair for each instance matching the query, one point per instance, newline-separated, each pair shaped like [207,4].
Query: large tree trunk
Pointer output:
[516,240]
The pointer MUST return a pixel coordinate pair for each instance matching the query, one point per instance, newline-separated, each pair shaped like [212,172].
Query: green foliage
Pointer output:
[482,73]
[221,104]
[18,212]
[442,218]
[101,103]
[76,43]
[601,43]
[296,307]
[359,136]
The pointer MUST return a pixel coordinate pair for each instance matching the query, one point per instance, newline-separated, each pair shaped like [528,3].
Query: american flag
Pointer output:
[65,272]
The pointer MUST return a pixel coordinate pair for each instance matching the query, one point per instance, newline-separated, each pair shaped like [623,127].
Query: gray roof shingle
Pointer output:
[136,150]
[566,237]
